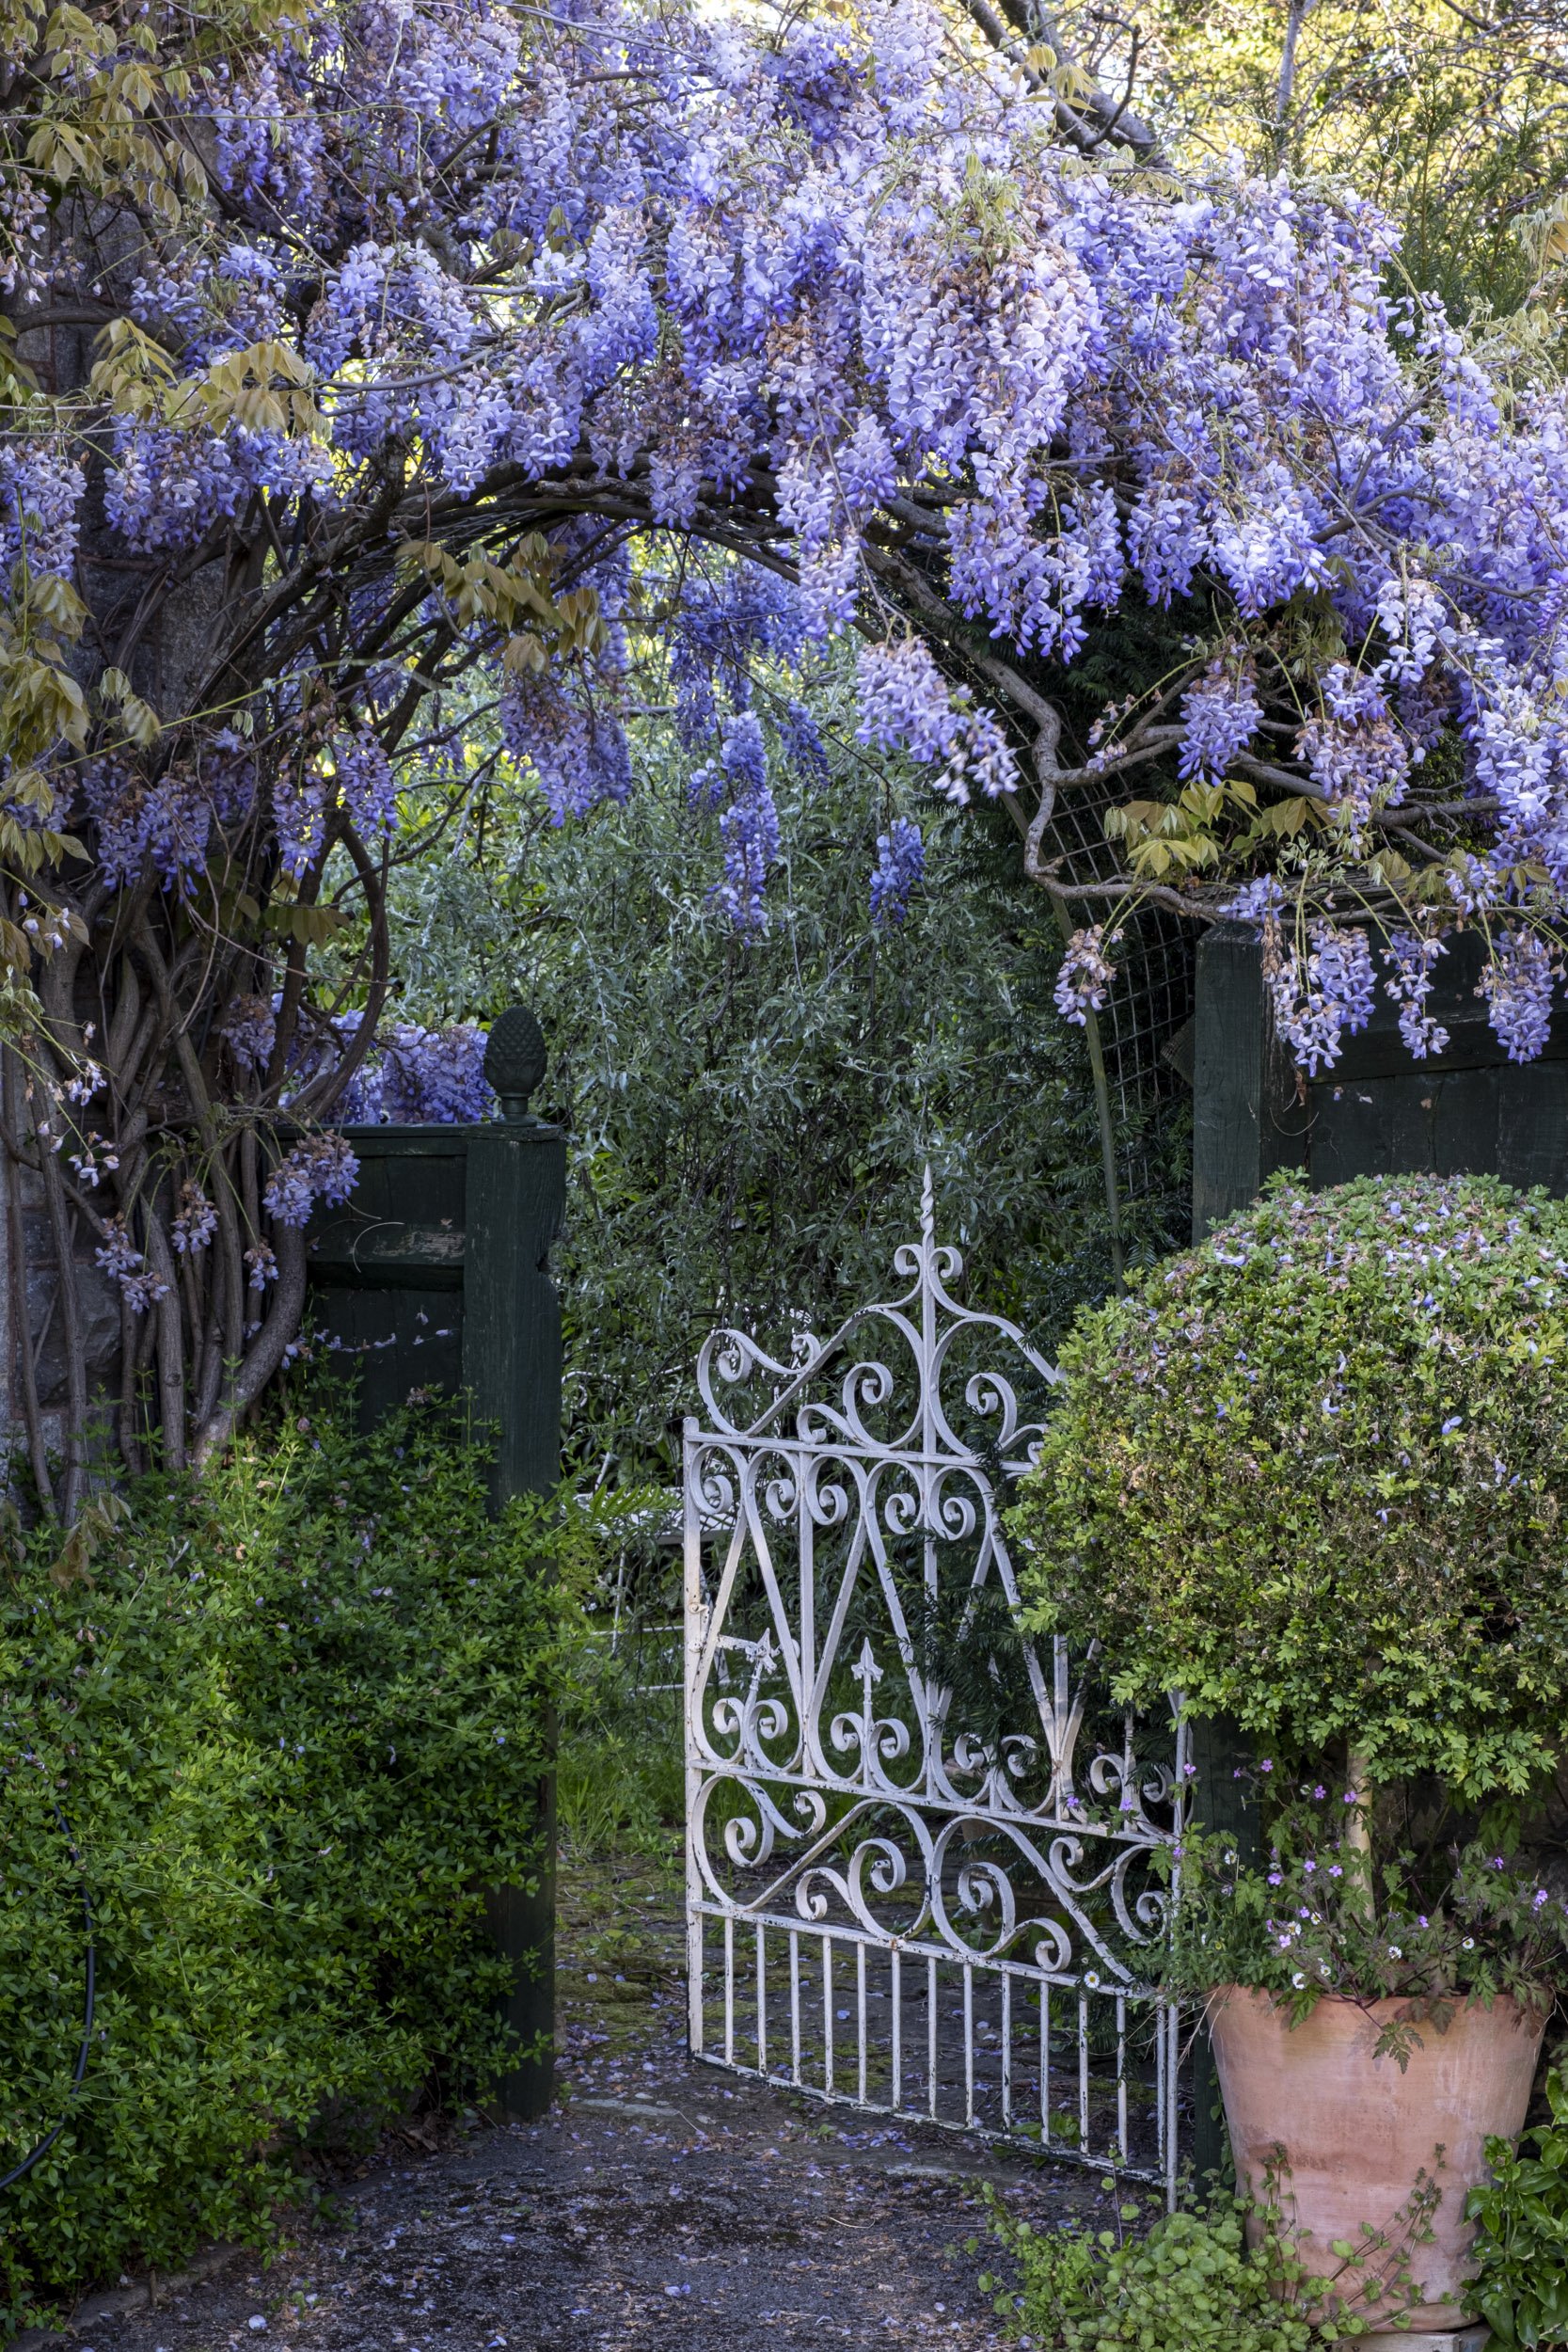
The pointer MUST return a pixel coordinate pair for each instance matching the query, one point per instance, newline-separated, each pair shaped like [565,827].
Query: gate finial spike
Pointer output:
[928,1209]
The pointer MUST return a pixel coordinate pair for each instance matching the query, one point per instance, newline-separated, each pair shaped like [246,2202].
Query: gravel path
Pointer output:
[661,2204]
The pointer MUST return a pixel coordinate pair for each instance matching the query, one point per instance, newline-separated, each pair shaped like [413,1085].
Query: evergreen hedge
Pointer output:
[293,1720]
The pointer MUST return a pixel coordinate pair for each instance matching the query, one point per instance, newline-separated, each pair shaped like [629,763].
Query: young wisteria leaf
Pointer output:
[311,926]
[70,35]
[1285,819]
[525,653]
[1071,82]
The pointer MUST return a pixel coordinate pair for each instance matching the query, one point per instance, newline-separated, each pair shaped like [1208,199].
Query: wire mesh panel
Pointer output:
[1151,999]
[920,1846]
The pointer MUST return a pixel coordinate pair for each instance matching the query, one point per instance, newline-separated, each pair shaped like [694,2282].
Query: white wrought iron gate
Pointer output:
[918,1851]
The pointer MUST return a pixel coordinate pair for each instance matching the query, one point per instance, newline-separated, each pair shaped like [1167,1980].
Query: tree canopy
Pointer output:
[1454,118]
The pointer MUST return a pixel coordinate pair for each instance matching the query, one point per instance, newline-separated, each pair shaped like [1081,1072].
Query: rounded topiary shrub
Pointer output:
[1312,1475]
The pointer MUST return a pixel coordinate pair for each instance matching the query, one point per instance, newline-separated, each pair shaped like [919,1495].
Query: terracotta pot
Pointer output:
[1356,2132]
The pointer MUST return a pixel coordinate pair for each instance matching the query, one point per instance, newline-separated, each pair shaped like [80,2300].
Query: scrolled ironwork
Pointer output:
[909,1783]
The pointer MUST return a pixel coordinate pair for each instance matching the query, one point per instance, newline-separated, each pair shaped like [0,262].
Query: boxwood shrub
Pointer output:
[293,1721]
[1313,1474]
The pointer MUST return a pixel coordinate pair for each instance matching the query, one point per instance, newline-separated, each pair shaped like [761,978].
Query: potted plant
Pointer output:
[1311,1477]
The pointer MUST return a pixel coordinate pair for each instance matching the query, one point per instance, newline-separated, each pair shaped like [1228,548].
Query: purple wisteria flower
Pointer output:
[127,1265]
[419,1077]
[319,1167]
[261,1267]
[1353,749]
[1319,999]
[366,782]
[1087,974]
[196,1220]
[251,1028]
[724,294]
[907,704]
[1517,986]
[1410,959]
[300,812]
[1220,714]
[751,838]
[900,864]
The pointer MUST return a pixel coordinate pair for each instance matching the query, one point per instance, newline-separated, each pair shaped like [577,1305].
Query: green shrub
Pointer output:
[295,1717]
[621,1781]
[1312,1475]
[1191,2284]
[1521,2255]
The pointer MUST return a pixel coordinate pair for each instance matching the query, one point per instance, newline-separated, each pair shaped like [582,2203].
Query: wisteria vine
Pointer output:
[619,357]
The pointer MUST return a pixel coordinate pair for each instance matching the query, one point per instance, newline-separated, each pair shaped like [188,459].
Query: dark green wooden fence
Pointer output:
[435,1274]
[1377,1112]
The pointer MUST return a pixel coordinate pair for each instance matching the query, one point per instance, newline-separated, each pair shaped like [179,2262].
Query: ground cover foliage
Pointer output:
[1191,2281]
[1149,2280]
[1521,2257]
[294,1719]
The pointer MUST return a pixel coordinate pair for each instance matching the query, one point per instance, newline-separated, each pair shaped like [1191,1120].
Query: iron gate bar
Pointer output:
[835,1815]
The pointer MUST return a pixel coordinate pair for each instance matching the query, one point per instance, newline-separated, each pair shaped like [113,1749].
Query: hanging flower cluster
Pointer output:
[319,1167]
[900,865]
[196,1220]
[1221,714]
[687,258]
[125,1265]
[1087,974]
[413,1075]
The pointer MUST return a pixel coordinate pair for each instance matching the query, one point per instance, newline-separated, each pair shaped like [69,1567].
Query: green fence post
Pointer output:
[1247,1117]
[435,1274]
[515,1201]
